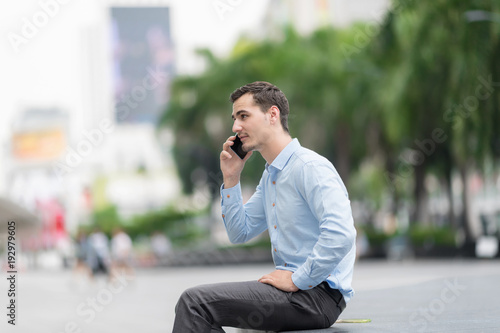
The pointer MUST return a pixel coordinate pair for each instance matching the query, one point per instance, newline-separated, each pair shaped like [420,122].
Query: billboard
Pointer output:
[38,145]
[39,135]
[143,62]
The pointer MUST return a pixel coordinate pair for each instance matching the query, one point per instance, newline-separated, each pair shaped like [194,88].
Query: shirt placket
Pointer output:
[273,209]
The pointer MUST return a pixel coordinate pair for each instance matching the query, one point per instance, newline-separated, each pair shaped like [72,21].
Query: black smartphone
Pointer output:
[237,147]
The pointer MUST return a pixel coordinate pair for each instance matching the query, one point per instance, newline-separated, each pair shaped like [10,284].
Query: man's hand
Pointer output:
[230,164]
[280,279]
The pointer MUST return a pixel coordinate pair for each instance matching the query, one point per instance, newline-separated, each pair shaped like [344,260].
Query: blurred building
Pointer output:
[38,138]
[64,159]
[131,61]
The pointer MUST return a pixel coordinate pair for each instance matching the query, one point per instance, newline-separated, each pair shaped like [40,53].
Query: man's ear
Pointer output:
[274,114]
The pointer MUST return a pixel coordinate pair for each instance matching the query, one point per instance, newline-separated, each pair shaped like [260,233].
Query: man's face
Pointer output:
[250,123]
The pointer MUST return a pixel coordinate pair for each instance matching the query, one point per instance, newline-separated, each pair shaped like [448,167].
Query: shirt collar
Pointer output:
[281,160]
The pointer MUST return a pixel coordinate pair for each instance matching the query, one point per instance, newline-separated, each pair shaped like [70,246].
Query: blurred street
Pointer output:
[410,296]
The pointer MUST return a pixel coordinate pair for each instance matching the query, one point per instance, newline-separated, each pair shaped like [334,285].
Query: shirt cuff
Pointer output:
[302,280]
[230,195]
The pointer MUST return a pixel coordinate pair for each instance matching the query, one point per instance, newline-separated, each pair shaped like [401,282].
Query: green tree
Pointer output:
[435,56]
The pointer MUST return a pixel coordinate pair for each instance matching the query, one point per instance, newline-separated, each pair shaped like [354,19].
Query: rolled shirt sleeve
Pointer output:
[327,198]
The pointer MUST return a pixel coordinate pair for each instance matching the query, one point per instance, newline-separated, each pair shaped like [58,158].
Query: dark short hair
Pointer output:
[265,95]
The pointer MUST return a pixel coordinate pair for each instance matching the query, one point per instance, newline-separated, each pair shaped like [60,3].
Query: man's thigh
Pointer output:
[257,305]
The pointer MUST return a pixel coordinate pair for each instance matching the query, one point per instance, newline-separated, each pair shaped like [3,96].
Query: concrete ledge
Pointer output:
[324,330]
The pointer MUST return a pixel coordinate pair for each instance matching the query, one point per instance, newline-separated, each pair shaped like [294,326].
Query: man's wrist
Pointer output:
[302,281]
[231,182]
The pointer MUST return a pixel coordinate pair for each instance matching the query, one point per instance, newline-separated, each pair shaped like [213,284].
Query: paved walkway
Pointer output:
[425,297]
[415,296]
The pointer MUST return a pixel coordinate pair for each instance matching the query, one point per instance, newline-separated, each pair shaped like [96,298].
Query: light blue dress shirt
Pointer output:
[304,204]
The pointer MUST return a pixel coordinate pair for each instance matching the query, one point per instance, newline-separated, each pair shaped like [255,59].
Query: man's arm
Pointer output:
[327,198]
[242,222]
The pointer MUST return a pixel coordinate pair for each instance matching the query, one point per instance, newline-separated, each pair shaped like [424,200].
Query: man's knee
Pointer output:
[191,296]
[191,313]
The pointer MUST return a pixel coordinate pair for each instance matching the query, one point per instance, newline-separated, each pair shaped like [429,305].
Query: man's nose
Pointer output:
[236,127]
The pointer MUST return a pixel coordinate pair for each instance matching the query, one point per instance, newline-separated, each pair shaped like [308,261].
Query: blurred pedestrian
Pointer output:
[81,255]
[161,246]
[303,203]
[121,252]
[98,257]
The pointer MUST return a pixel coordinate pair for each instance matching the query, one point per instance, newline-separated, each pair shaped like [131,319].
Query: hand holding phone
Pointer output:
[237,147]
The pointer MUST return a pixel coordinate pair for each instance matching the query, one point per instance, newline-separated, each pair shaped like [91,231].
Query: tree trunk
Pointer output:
[449,192]
[420,212]
[451,212]
[390,166]
[465,205]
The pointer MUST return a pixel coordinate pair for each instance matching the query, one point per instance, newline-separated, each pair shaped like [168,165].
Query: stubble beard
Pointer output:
[248,147]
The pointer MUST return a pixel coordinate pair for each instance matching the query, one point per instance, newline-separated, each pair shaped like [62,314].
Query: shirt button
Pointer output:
[274,204]
[310,286]
[228,196]
[274,183]
[285,264]
[223,216]
[275,250]
[275,226]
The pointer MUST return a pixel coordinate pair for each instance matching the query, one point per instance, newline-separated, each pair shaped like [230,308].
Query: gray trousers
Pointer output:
[255,305]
